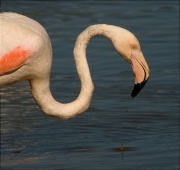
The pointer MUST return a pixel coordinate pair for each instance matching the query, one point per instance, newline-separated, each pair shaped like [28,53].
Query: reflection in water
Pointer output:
[123,149]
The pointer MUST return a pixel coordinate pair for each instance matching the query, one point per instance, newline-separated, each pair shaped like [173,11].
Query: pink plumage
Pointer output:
[26,54]
[13,60]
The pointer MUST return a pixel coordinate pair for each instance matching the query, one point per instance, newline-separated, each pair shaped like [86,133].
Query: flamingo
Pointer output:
[26,54]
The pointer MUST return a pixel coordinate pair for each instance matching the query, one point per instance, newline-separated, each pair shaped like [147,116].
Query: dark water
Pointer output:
[148,125]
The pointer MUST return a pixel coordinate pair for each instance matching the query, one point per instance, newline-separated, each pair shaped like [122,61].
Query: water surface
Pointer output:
[148,125]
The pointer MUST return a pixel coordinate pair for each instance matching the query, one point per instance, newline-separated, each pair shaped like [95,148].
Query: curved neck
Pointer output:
[40,88]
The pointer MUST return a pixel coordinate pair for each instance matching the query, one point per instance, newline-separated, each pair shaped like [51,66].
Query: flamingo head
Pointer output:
[127,45]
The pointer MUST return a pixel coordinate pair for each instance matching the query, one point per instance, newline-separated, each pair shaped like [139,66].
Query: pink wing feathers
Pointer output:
[13,60]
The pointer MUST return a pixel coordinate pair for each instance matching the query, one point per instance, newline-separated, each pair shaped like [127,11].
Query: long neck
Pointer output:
[40,88]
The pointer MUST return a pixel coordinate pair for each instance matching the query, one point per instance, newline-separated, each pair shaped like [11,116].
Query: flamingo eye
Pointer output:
[132,46]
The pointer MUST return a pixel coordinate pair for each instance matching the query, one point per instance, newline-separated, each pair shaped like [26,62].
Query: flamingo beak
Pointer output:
[140,70]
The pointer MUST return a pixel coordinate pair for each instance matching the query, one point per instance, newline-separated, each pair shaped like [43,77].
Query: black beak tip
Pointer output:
[137,88]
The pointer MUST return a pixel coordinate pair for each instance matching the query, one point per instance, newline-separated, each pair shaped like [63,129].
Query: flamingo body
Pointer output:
[26,54]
